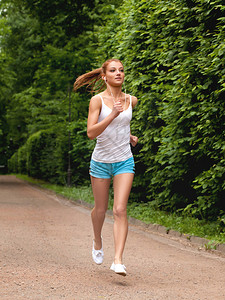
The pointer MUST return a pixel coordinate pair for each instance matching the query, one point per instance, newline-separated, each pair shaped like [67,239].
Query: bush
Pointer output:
[13,163]
[45,155]
[22,159]
[174,59]
[81,152]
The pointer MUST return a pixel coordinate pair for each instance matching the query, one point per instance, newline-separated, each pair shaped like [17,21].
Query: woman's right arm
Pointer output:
[93,127]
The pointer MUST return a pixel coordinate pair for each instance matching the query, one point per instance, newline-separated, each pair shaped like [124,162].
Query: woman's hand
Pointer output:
[133,140]
[95,128]
[117,108]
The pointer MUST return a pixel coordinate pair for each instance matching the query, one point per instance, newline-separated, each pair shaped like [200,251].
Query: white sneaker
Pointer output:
[97,255]
[118,269]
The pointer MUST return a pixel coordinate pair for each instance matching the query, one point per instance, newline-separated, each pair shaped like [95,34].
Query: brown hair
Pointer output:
[93,79]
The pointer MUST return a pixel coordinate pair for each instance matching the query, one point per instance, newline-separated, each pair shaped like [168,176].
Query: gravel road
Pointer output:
[45,253]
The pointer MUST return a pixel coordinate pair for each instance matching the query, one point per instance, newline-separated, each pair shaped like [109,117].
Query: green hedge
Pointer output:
[174,56]
[13,163]
[45,155]
[22,159]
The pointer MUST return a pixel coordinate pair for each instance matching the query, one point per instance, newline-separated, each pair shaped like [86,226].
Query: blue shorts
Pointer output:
[107,170]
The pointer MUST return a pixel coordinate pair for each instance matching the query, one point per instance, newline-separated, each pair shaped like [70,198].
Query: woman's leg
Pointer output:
[122,184]
[100,189]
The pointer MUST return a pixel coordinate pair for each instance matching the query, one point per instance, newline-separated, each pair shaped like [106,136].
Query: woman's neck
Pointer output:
[115,92]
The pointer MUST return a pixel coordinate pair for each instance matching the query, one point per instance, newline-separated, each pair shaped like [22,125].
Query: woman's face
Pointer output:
[115,73]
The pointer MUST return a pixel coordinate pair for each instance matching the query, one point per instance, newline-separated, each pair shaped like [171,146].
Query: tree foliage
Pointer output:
[173,52]
[174,56]
[48,45]
[45,48]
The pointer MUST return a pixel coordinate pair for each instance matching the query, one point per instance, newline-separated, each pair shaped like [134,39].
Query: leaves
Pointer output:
[173,53]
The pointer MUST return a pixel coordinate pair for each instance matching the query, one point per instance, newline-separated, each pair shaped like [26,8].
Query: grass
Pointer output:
[144,212]
[183,224]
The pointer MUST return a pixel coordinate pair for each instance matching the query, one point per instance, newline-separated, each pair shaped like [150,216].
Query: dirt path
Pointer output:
[45,253]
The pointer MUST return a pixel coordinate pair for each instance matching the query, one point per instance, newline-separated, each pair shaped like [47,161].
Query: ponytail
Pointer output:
[93,79]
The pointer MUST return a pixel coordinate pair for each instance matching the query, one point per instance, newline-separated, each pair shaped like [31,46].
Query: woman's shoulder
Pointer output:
[95,103]
[134,100]
[96,99]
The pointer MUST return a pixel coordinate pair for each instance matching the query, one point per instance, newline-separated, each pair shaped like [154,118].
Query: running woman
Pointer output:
[109,117]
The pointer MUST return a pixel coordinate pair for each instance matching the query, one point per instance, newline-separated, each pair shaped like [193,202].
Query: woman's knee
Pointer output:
[119,211]
[100,211]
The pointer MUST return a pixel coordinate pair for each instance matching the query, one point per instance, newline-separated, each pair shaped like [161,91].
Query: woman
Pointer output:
[109,117]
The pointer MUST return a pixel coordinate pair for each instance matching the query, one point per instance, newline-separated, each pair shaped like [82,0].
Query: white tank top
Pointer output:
[113,144]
